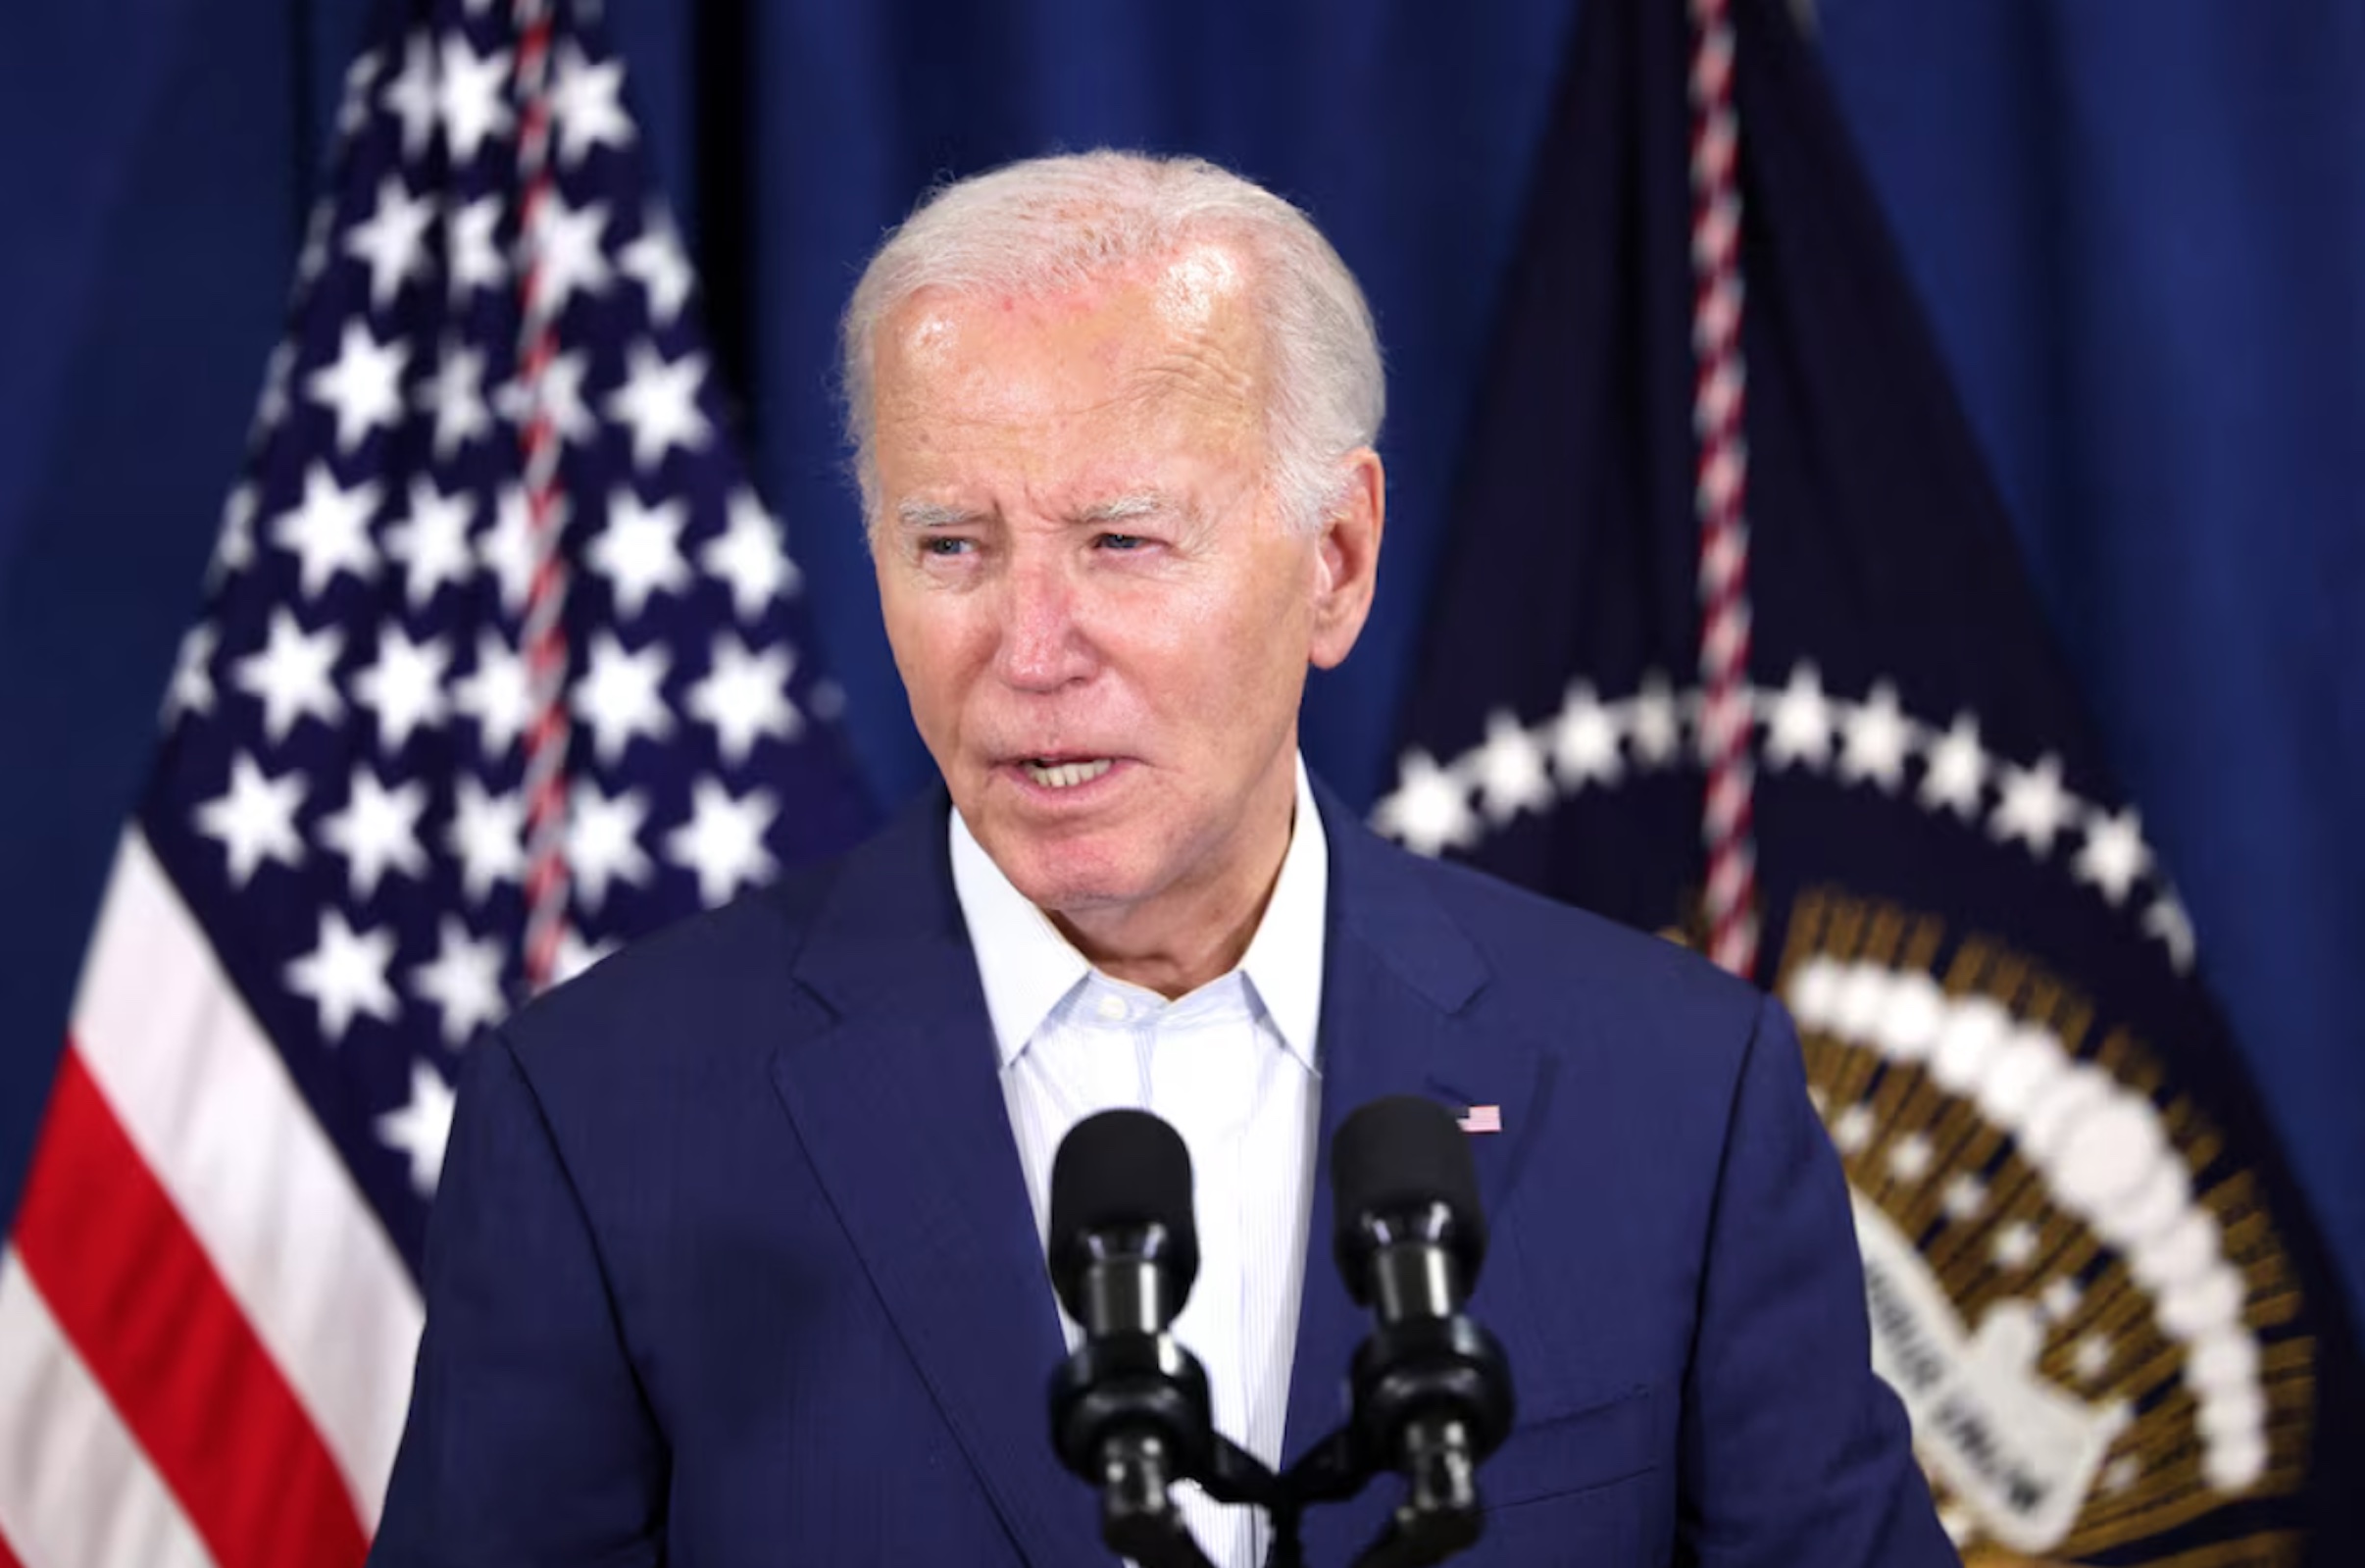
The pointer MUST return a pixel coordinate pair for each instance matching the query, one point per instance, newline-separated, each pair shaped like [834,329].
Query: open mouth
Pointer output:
[1066,774]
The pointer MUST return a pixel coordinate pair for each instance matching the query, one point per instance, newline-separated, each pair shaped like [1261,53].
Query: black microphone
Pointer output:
[1431,1388]
[1129,1409]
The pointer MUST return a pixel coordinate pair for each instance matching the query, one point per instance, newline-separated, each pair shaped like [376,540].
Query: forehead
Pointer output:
[1181,331]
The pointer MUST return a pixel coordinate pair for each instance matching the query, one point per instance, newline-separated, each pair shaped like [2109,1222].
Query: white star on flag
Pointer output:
[622,696]
[488,833]
[422,1127]
[353,104]
[345,975]
[363,387]
[562,400]
[569,258]
[328,530]
[575,955]
[462,981]
[603,841]
[193,686]
[659,400]
[234,551]
[639,550]
[1875,739]
[1655,729]
[403,689]
[496,694]
[2115,855]
[312,258]
[291,676]
[1584,741]
[2035,808]
[744,696]
[1511,776]
[507,547]
[723,842]
[586,102]
[430,541]
[1429,811]
[411,95]
[1957,771]
[2167,920]
[473,96]
[472,234]
[255,820]
[376,831]
[1799,722]
[393,241]
[748,556]
[655,262]
[272,406]
[456,395]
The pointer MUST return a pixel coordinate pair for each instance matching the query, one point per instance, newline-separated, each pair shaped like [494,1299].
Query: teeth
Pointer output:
[1066,774]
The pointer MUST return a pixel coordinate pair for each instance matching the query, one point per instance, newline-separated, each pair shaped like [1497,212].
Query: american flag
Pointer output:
[495,622]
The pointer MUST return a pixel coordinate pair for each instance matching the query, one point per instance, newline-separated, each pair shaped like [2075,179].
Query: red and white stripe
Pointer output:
[206,1337]
[546,639]
[1719,400]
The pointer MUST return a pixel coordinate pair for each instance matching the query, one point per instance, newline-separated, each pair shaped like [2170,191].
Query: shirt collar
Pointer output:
[1283,960]
[1027,968]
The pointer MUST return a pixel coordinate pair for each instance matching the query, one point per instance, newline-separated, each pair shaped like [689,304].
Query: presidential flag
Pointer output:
[501,664]
[1736,646]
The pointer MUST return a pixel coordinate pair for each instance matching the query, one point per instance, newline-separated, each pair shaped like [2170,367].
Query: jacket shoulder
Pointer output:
[1539,950]
[690,988]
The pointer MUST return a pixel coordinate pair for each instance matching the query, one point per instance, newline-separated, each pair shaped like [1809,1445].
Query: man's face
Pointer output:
[1100,617]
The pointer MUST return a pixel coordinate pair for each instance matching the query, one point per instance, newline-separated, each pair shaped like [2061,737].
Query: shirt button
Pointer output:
[1110,1006]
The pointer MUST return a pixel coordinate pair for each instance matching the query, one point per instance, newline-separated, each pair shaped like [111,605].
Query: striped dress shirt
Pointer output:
[1232,1067]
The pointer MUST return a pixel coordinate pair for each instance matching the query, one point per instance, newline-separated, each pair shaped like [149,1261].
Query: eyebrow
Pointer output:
[1124,508]
[920,516]
[917,515]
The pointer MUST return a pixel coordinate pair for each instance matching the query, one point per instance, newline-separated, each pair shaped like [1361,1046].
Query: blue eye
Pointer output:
[1121,541]
[940,544]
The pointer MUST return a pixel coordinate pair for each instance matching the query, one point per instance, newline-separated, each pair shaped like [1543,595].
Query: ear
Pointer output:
[1346,565]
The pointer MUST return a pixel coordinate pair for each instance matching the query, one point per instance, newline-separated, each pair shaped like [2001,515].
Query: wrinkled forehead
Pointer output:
[1187,315]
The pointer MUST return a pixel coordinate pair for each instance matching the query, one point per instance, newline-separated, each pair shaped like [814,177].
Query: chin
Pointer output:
[1067,878]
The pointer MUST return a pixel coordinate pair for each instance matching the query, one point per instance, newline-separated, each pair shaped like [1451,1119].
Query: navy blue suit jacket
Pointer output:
[733,1265]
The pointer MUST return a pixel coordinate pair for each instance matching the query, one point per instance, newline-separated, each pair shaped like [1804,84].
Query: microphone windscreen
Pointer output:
[1116,1170]
[1396,1157]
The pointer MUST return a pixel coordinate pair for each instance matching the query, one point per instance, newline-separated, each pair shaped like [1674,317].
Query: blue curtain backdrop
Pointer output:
[2138,227]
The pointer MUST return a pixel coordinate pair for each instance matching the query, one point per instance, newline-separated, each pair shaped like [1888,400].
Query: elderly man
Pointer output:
[738,1253]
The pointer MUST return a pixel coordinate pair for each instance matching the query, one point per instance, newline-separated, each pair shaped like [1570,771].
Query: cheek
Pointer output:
[930,649]
[1244,657]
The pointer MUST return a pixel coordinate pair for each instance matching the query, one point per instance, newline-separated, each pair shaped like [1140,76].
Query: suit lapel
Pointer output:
[1399,978]
[901,1112]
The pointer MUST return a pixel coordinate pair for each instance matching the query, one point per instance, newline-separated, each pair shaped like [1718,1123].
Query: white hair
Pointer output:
[1048,226]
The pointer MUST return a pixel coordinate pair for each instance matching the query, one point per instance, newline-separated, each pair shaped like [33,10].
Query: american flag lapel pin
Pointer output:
[1482,1119]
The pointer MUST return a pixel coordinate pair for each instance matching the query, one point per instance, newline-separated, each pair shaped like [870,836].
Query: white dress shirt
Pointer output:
[1232,1067]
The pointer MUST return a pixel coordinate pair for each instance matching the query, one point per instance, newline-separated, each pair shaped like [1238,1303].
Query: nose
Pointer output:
[1044,646]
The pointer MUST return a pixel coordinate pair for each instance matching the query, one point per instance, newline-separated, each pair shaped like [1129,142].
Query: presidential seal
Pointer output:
[2080,1283]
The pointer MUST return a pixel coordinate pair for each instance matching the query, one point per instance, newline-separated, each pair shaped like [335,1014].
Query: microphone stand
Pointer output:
[1439,1516]
[1430,1398]
[1139,1521]
[1430,1390]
